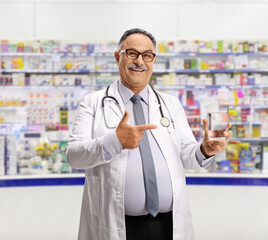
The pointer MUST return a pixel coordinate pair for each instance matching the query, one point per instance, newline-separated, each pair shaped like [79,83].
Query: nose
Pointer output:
[139,61]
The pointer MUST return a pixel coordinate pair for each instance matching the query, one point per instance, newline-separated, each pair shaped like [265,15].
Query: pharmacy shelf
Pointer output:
[111,54]
[260,107]
[160,87]
[250,70]
[245,123]
[260,139]
[48,87]
[159,71]
[257,54]
[191,107]
[23,54]
[11,108]
[64,54]
[212,71]
[242,70]
[79,179]
[247,106]
[198,71]
[194,54]
[58,71]
[13,123]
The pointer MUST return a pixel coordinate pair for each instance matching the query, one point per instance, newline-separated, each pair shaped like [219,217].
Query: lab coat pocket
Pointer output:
[93,190]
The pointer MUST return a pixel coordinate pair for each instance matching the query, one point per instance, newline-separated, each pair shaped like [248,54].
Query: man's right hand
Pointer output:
[128,135]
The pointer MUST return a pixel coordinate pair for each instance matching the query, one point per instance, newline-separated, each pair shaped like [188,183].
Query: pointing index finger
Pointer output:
[146,127]
[205,123]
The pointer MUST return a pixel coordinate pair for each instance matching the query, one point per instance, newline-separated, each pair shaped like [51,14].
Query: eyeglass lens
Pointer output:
[146,56]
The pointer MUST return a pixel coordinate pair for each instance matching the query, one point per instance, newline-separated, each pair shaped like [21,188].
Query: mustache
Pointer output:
[136,67]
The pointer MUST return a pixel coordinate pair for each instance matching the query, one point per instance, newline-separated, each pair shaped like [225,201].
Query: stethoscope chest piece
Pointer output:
[165,122]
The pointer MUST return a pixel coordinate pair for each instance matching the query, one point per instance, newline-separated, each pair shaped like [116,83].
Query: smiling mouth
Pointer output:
[137,70]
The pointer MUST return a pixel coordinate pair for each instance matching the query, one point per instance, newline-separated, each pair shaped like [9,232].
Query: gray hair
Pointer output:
[133,31]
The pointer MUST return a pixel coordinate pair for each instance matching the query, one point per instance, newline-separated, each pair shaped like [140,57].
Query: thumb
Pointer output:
[125,117]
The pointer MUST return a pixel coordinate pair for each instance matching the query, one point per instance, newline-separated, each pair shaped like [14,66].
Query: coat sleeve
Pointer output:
[188,144]
[83,151]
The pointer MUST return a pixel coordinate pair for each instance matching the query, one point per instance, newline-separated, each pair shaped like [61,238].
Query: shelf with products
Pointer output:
[249,106]
[189,57]
[244,123]
[163,87]
[192,54]
[179,71]
[55,75]
[192,103]
[260,139]
[111,54]
[60,71]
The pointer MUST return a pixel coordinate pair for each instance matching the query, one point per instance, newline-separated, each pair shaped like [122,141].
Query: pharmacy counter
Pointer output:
[78,179]
[223,206]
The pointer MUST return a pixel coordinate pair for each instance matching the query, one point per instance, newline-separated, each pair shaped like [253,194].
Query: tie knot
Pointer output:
[135,98]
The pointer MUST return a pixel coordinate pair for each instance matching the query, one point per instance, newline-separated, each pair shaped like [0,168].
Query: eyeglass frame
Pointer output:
[139,53]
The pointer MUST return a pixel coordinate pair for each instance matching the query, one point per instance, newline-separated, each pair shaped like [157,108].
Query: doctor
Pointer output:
[115,146]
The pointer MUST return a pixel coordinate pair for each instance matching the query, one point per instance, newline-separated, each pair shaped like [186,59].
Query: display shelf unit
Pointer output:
[193,54]
[49,87]
[244,123]
[56,57]
[60,71]
[111,54]
[101,66]
[167,87]
[260,139]
[157,71]
[179,71]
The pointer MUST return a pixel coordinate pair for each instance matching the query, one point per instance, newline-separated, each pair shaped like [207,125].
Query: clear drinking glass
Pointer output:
[217,124]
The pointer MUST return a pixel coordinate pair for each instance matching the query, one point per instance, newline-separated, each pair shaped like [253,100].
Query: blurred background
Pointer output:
[212,55]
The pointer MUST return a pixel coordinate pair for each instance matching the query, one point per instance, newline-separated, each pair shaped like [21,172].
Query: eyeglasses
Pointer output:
[134,54]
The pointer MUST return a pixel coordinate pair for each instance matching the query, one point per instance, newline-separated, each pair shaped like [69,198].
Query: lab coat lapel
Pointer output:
[113,91]
[161,133]
[153,107]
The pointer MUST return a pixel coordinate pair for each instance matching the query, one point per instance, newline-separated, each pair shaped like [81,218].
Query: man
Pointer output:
[134,144]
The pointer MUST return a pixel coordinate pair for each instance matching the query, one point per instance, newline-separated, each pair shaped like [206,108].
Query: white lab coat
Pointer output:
[102,214]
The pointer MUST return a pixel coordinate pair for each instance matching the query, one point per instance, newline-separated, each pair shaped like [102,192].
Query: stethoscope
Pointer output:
[165,122]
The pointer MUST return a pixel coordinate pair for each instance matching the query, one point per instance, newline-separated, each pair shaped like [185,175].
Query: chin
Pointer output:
[139,80]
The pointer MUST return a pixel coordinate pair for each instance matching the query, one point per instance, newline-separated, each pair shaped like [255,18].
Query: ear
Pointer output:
[154,60]
[116,55]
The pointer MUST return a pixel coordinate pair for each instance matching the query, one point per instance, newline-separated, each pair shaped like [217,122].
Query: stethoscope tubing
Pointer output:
[164,120]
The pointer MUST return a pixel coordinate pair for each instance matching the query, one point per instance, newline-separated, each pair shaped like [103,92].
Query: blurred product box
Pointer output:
[2,155]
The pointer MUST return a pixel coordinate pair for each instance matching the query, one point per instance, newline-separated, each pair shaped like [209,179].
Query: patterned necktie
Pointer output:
[150,183]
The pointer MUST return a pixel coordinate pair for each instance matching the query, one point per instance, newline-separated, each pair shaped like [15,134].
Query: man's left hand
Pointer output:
[212,147]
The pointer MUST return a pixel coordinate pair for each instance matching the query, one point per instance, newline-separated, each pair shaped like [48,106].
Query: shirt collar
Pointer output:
[126,93]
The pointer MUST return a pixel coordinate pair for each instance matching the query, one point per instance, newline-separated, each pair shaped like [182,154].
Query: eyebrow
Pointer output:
[141,52]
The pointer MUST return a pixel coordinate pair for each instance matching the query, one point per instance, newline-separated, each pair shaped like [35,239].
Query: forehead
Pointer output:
[139,42]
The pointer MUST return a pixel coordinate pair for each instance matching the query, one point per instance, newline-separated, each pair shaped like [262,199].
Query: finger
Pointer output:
[228,135]
[205,123]
[125,117]
[229,125]
[146,127]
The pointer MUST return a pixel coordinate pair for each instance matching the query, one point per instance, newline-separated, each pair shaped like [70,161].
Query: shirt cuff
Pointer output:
[111,146]
[201,159]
